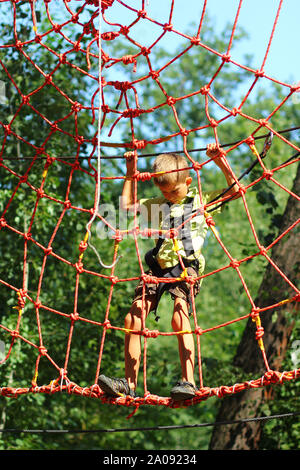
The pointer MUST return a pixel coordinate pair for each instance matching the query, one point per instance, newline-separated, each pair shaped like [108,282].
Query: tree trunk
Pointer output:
[278,326]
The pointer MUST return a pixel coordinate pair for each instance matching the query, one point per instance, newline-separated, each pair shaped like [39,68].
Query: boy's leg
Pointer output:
[133,321]
[181,322]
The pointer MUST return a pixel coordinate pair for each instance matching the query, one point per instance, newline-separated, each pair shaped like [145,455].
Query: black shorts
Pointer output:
[181,289]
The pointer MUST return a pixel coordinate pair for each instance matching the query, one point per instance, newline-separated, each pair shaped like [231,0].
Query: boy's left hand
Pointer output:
[213,151]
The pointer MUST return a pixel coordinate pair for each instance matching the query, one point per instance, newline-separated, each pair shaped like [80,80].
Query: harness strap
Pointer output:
[185,237]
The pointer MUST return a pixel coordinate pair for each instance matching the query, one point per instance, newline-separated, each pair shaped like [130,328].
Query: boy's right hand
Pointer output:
[130,161]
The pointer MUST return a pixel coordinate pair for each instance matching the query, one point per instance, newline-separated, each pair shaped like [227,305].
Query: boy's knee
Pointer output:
[180,319]
[176,322]
[133,321]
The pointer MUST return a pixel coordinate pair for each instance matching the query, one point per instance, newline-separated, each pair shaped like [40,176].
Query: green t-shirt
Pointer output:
[157,212]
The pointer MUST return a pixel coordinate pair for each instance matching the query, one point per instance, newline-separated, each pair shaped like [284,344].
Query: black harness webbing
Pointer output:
[177,270]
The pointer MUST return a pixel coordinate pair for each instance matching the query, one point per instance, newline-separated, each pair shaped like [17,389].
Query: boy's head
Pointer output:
[175,178]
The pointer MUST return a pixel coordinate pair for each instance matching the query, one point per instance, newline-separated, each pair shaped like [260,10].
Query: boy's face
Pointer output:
[175,192]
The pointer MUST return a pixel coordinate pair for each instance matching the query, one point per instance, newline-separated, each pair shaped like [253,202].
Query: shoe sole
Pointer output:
[181,396]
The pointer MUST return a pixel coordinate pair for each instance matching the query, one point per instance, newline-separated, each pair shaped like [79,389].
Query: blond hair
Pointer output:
[170,162]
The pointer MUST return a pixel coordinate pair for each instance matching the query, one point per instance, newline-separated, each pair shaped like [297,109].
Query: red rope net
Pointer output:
[84,42]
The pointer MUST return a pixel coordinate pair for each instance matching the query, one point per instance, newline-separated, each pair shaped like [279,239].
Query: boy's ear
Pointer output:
[188,180]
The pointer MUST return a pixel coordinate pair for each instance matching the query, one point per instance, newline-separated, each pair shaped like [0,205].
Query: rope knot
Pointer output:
[242,189]
[259,332]
[171,100]
[254,313]
[23,179]
[7,129]
[259,73]
[27,236]
[104,4]
[40,193]
[150,333]
[262,250]
[82,246]
[74,316]
[198,331]
[118,236]
[79,139]
[263,122]
[106,324]
[129,59]
[76,106]
[147,232]
[142,13]
[132,112]
[205,89]
[124,30]
[139,144]
[250,140]
[197,166]
[48,79]
[226,57]
[42,350]
[213,123]
[268,174]
[148,279]
[79,267]
[25,99]
[110,35]
[145,51]
[235,111]
[114,279]
[172,233]
[57,27]
[168,27]
[154,74]
[234,263]
[62,58]
[122,86]
[195,41]
[209,220]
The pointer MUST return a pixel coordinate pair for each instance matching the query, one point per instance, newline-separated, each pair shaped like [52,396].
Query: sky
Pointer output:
[256,17]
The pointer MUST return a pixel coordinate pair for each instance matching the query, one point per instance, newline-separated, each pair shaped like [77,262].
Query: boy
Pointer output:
[179,206]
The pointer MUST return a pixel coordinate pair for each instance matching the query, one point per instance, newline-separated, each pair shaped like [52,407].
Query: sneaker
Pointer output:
[183,390]
[115,387]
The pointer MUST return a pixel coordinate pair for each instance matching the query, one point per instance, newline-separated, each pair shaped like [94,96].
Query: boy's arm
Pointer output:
[127,197]
[213,151]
